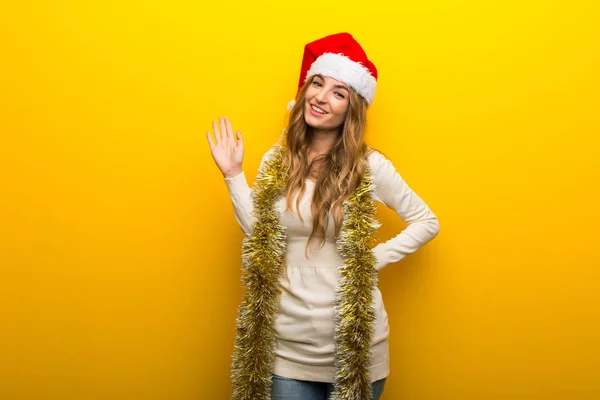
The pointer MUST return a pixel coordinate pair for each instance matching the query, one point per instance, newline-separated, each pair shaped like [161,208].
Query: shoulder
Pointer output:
[386,179]
[377,162]
[372,153]
[274,154]
[270,151]
[267,154]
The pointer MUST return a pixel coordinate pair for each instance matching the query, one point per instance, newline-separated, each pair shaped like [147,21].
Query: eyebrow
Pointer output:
[337,86]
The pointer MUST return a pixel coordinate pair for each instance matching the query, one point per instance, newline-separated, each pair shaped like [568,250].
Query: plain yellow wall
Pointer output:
[120,254]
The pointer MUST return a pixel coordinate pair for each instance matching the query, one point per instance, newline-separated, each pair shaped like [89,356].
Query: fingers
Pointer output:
[240,139]
[223,131]
[224,135]
[229,131]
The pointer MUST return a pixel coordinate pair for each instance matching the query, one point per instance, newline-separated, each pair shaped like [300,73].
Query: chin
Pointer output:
[311,122]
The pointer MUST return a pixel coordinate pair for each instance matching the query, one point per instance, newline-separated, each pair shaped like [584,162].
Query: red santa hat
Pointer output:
[340,57]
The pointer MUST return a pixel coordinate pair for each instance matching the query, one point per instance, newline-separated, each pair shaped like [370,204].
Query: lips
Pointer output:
[323,113]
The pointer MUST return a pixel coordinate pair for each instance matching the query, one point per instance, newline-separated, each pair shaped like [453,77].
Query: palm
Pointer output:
[227,153]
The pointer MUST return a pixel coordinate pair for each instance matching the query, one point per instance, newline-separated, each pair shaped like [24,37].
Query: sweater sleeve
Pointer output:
[241,198]
[392,190]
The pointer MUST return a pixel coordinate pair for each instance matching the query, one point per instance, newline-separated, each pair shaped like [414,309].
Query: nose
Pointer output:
[321,96]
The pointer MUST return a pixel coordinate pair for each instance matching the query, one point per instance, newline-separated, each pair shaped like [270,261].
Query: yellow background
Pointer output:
[120,254]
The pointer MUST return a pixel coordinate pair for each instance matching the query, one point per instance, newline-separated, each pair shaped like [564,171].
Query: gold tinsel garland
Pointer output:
[262,256]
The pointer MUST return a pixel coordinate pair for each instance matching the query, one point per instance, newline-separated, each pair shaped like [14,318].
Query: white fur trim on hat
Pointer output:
[342,68]
[291,104]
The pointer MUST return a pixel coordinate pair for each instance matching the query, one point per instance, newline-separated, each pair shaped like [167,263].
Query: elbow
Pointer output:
[435,227]
[247,225]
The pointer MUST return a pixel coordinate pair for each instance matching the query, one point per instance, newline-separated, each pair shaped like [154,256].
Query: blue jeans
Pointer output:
[293,389]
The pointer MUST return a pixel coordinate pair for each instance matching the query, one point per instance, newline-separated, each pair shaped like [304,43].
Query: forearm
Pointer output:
[241,198]
[416,235]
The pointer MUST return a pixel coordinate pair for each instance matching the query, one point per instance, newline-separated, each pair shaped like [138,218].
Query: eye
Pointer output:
[341,95]
[317,83]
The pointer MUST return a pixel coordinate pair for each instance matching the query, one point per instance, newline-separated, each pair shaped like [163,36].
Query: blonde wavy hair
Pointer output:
[341,169]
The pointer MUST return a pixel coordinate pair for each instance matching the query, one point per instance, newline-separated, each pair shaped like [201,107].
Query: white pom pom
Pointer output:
[291,104]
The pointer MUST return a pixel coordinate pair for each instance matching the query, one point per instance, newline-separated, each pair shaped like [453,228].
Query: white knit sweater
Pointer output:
[305,319]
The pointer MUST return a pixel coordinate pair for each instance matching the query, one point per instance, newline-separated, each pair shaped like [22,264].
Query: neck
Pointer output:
[322,140]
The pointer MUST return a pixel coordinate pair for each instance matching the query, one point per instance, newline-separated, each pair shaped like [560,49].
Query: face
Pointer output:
[326,103]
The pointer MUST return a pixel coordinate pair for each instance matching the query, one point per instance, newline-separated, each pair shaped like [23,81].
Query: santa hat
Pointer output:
[340,57]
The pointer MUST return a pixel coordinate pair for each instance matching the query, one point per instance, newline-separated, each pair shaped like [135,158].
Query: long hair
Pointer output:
[341,169]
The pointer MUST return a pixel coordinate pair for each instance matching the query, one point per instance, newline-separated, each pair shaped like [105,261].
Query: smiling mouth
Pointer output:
[317,109]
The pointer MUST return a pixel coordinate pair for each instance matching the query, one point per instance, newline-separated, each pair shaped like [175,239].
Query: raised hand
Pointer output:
[228,154]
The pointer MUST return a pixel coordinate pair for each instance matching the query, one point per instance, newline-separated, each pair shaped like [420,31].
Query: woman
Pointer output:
[312,324]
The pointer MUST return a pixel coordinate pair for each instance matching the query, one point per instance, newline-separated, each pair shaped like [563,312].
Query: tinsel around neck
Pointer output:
[262,258]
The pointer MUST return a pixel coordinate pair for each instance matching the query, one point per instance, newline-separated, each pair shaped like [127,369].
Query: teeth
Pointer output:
[317,109]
